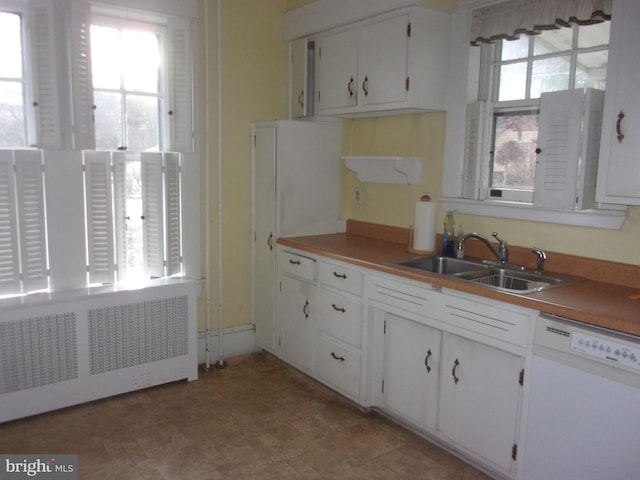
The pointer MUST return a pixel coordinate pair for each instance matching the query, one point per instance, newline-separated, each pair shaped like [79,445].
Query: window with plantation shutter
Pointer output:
[473,150]
[31,215]
[180,104]
[9,266]
[152,211]
[173,209]
[100,238]
[120,211]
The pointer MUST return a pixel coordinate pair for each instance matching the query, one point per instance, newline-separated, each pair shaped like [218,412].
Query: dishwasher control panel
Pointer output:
[606,349]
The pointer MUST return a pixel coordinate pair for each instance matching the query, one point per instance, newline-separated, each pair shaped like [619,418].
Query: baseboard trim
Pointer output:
[236,341]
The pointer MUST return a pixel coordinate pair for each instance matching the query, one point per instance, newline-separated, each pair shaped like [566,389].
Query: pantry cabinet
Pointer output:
[394,64]
[618,177]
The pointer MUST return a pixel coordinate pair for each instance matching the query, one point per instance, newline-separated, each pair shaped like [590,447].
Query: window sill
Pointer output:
[611,219]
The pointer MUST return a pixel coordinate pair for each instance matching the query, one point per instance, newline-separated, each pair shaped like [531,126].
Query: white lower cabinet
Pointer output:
[481,394]
[411,370]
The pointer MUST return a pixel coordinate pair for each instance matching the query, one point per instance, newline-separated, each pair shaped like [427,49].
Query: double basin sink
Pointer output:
[505,277]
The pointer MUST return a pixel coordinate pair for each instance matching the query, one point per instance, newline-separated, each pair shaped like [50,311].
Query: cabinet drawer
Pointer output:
[342,278]
[339,366]
[340,316]
[297,265]
[412,298]
[484,318]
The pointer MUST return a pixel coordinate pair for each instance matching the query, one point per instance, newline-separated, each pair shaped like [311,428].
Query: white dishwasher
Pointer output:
[584,409]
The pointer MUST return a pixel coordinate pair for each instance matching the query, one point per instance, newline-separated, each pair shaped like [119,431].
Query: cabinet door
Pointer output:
[336,64]
[298,83]
[481,396]
[411,370]
[383,62]
[618,177]
[264,213]
[297,311]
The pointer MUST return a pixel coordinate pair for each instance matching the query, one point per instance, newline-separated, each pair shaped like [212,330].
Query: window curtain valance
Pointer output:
[508,20]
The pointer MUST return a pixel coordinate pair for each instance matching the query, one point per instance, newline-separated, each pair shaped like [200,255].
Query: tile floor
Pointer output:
[257,418]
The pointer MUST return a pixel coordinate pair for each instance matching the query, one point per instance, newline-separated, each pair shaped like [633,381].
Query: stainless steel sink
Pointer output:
[521,281]
[509,278]
[444,265]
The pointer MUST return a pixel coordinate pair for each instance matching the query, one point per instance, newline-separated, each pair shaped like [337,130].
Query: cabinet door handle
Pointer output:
[365,86]
[426,361]
[338,309]
[618,125]
[270,241]
[340,275]
[337,357]
[294,262]
[305,309]
[350,87]
[453,372]
[301,98]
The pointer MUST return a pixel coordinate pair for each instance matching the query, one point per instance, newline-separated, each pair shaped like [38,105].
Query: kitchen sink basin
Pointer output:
[509,278]
[444,265]
[521,281]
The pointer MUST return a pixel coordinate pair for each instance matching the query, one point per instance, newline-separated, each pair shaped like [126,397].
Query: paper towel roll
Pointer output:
[424,227]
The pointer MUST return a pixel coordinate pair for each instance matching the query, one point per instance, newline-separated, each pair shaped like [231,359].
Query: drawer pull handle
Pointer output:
[340,275]
[365,86]
[294,262]
[305,309]
[426,361]
[270,241]
[337,357]
[338,309]
[301,98]
[618,125]
[453,372]
[350,87]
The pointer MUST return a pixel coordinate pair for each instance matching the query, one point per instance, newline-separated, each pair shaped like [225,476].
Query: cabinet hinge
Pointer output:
[384,328]
[409,30]
[382,386]
[320,53]
[280,286]
[406,84]
[521,378]
[318,96]
[514,451]
[254,140]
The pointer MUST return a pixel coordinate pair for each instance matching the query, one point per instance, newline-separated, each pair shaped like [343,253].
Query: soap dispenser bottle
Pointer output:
[448,249]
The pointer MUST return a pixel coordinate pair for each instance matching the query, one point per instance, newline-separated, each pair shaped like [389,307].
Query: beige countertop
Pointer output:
[616,307]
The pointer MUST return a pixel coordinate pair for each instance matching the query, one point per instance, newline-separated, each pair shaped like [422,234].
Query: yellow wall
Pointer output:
[423,135]
[254,72]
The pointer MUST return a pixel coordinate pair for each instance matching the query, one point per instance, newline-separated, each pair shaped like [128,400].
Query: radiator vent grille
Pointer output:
[38,351]
[127,335]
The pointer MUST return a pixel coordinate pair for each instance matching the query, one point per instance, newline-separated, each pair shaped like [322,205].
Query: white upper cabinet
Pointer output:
[301,88]
[619,165]
[396,64]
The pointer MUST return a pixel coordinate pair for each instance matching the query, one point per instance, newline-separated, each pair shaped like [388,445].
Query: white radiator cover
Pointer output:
[60,350]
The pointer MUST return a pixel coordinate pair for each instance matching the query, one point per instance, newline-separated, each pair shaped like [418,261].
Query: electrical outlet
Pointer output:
[357,195]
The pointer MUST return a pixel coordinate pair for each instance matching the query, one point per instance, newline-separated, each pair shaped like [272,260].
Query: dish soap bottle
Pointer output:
[460,243]
[449,232]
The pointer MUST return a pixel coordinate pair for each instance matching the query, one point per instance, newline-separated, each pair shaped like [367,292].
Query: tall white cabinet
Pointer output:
[296,191]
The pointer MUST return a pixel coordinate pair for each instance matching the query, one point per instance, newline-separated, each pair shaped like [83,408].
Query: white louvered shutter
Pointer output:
[31,215]
[9,265]
[559,141]
[45,57]
[152,210]
[81,76]
[180,103]
[121,217]
[99,216]
[473,150]
[173,209]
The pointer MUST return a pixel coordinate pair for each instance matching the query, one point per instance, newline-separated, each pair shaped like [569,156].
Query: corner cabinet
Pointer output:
[619,164]
[394,64]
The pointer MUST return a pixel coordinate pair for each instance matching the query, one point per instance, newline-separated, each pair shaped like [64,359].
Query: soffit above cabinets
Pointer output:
[323,15]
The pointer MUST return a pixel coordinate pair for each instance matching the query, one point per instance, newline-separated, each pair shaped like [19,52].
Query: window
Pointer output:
[96,112]
[13,127]
[519,72]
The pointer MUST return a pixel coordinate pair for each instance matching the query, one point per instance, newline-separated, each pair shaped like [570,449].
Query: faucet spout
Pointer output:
[502,254]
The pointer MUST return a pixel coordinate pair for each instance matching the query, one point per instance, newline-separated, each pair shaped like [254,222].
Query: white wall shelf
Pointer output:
[382,169]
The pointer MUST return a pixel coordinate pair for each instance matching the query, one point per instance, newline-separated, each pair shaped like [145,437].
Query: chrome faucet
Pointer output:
[502,254]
